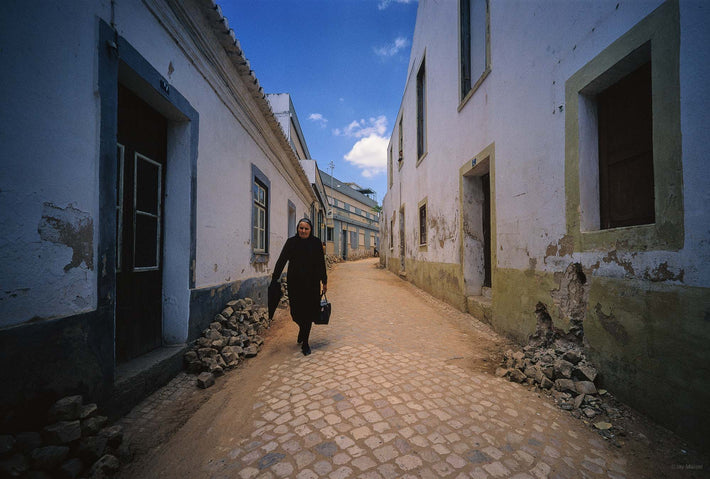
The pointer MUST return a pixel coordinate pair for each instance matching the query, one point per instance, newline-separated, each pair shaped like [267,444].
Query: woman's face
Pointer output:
[304,230]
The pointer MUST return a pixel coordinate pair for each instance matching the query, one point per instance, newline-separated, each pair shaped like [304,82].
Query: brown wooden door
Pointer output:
[142,143]
[486,217]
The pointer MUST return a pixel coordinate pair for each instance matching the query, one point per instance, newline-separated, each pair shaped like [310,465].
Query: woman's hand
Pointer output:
[325,288]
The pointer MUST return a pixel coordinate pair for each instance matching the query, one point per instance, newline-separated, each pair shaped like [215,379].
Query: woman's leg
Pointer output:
[304,333]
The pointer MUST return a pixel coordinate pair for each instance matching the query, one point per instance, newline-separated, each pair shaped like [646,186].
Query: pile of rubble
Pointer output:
[76,442]
[332,259]
[555,362]
[232,336]
[562,369]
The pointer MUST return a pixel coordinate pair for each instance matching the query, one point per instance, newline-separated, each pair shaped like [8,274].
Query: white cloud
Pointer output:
[386,3]
[391,49]
[361,128]
[370,155]
[318,118]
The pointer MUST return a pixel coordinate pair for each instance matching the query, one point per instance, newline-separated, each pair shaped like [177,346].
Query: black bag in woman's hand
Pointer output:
[324,315]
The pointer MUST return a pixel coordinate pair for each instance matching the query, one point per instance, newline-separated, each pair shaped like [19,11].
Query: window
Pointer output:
[475,56]
[623,179]
[392,233]
[259,217]
[421,111]
[401,153]
[320,222]
[626,151]
[422,224]
[389,168]
[353,239]
[147,195]
[329,233]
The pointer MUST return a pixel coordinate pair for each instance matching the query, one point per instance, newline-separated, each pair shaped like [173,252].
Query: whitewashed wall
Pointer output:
[49,136]
[535,48]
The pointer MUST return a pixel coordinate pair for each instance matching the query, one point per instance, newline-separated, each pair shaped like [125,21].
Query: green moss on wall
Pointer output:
[649,340]
[515,294]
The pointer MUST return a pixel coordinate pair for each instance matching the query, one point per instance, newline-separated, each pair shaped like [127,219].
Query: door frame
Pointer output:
[472,261]
[120,62]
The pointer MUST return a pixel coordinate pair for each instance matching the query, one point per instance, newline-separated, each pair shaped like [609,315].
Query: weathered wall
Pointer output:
[649,340]
[654,286]
[57,209]
[48,172]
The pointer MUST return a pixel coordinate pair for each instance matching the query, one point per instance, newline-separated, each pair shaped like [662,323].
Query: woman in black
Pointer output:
[306,272]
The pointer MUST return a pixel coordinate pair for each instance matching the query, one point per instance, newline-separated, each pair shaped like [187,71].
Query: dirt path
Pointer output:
[398,385]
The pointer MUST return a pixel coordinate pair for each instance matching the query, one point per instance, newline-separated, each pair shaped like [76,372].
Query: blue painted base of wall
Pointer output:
[45,360]
[205,303]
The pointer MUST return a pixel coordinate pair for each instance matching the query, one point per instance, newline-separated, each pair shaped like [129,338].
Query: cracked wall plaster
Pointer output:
[69,227]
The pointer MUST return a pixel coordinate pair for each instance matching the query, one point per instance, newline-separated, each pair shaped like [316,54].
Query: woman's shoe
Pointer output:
[306,350]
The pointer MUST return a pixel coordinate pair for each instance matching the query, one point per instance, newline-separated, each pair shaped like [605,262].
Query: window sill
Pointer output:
[421,158]
[473,89]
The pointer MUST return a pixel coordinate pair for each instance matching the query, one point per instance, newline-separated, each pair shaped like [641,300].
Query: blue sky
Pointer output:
[344,62]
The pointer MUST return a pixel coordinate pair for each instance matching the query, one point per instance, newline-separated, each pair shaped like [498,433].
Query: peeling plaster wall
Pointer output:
[226,152]
[655,298]
[48,172]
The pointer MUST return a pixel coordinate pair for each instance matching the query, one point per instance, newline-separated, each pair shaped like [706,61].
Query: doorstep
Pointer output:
[140,377]
[480,307]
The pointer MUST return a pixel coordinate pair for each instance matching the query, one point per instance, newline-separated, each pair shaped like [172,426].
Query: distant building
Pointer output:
[144,182]
[553,155]
[283,109]
[352,221]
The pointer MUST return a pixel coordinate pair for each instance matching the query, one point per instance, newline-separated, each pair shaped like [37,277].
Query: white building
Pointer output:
[144,182]
[552,154]
[283,109]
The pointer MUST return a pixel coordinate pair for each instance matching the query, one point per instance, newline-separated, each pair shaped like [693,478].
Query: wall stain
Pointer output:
[564,247]
[443,231]
[662,273]
[613,257]
[69,227]
[611,325]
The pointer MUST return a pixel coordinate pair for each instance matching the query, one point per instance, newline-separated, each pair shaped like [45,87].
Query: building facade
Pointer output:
[550,156]
[352,224]
[144,183]
[283,109]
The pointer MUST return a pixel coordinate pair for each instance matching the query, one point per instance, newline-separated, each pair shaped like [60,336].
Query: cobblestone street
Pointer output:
[397,386]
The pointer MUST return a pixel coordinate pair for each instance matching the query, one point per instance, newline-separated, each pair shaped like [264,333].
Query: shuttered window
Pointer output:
[626,189]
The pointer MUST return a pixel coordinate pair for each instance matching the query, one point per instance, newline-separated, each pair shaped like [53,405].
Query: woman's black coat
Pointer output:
[306,270]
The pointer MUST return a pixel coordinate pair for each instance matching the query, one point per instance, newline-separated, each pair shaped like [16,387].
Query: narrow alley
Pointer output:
[399,385]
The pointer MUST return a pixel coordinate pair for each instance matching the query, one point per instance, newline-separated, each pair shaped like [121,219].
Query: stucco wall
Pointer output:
[48,172]
[518,116]
[50,187]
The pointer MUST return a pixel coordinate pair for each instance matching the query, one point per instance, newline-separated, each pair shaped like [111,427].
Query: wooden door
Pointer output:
[626,183]
[142,140]
[486,218]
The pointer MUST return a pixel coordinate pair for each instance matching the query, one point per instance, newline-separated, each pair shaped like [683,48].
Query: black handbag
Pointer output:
[325,308]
